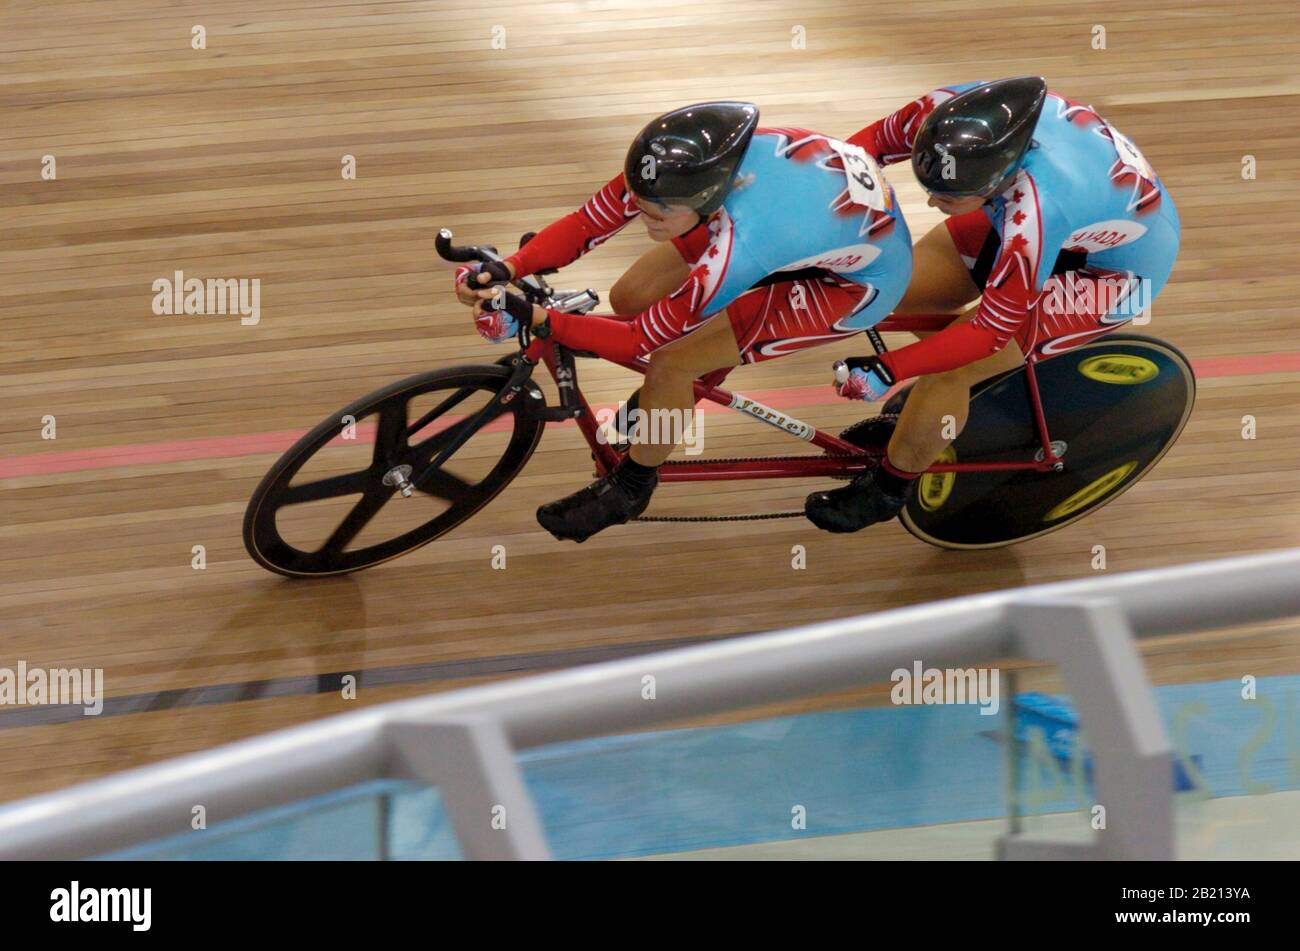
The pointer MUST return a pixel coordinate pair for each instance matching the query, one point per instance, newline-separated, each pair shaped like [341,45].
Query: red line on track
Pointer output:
[225,447]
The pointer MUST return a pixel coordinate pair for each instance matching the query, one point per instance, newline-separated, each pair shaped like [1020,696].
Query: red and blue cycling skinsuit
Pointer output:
[798,255]
[1079,243]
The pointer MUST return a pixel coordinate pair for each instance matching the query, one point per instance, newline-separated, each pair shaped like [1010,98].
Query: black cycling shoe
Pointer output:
[853,507]
[604,503]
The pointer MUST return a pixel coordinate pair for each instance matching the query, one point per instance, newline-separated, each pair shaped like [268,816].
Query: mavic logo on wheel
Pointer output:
[795,427]
[1092,492]
[1120,368]
[935,487]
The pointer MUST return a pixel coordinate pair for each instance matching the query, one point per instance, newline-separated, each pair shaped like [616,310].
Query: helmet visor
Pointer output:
[671,191]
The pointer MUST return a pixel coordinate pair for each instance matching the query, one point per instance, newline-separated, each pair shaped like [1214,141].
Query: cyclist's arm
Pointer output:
[564,241]
[1032,234]
[890,139]
[723,272]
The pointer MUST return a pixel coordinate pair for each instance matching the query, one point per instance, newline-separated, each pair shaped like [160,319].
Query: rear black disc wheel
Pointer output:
[1113,407]
[337,502]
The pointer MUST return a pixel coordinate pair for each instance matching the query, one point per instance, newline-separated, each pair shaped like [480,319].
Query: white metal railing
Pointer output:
[464,741]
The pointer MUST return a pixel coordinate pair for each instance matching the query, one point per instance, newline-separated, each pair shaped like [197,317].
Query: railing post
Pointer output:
[1092,644]
[383,825]
[472,763]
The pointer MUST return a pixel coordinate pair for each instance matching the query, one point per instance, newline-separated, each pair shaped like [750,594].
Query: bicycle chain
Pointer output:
[756,517]
[717,518]
[828,455]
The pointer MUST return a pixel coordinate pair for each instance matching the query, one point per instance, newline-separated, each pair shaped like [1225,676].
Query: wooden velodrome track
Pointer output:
[225,162]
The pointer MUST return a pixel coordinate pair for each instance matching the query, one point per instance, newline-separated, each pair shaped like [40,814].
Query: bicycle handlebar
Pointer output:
[449,252]
[533,286]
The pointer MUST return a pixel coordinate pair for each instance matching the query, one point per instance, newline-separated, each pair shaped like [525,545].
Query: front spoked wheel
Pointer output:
[392,472]
[1113,407]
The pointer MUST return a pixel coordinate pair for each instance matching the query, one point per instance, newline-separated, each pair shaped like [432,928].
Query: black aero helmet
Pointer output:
[972,144]
[689,156]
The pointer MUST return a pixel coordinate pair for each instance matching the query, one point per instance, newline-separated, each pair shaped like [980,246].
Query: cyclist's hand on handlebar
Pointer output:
[498,317]
[474,281]
[863,378]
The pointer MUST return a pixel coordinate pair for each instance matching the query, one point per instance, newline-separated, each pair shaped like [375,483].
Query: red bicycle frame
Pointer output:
[787,467]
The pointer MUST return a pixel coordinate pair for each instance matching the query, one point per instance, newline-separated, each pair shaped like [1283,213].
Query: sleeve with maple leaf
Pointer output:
[564,241]
[1033,231]
[723,272]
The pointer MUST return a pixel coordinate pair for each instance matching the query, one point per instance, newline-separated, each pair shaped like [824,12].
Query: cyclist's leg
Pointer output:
[655,275]
[779,319]
[625,492]
[669,385]
[950,265]
[921,434]
[1074,308]
[652,277]
[761,324]
[941,280]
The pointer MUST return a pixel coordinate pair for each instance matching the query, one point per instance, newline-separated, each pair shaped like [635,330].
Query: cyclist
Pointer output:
[781,239]
[1057,224]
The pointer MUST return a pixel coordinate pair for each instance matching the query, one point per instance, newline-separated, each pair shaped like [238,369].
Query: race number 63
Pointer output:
[866,184]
